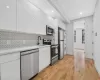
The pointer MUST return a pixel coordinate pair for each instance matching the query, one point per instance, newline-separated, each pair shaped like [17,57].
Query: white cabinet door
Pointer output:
[44,58]
[29,18]
[10,70]
[10,66]
[47,56]
[8,14]
[25,19]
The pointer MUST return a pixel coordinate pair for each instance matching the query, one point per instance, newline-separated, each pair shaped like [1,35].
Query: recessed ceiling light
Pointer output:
[52,11]
[81,13]
[7,7]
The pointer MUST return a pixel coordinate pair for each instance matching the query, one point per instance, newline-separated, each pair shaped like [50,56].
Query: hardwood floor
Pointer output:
[64,70]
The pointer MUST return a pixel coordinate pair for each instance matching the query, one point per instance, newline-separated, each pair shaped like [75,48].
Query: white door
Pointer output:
[89,39]
[78,42]
[10,70]
[8,14]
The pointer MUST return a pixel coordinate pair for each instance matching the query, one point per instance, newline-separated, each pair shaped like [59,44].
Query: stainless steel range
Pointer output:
[54,50]
[54,53]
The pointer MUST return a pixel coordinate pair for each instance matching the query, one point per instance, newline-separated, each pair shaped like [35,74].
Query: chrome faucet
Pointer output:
[39,38]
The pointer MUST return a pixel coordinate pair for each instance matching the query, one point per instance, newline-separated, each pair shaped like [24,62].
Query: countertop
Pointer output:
[19,49]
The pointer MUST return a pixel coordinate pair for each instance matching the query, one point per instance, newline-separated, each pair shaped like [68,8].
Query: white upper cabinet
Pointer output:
[29,18]
[8,14]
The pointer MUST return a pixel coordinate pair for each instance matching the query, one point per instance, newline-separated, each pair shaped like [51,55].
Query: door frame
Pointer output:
[85,25]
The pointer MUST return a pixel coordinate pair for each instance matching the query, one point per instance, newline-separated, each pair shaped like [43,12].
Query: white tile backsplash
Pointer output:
[15,39]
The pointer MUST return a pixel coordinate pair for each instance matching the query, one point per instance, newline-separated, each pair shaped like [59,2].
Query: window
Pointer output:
[83,36]
[74,35]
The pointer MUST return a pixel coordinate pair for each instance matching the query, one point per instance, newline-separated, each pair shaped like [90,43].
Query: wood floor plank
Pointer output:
[65,70]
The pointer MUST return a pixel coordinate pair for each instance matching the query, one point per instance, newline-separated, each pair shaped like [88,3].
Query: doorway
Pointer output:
[79,46]
[79,36]
[83,37]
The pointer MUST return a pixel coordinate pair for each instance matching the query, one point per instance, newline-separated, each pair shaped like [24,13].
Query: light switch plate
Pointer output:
[96,34]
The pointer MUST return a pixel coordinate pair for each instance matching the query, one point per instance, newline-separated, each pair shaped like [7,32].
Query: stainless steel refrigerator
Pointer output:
[61,42]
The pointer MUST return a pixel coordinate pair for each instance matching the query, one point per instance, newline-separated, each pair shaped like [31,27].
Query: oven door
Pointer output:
[54,51]
[54,54]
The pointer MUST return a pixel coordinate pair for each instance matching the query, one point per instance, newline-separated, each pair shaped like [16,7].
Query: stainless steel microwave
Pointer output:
[49,30]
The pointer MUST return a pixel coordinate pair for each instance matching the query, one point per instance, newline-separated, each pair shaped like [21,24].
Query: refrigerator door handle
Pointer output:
[61,40]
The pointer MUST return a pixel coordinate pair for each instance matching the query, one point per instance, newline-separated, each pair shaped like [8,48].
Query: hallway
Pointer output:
[64,70]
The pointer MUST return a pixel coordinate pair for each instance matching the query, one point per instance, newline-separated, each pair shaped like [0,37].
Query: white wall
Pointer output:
[89,37]
[97,38]
[79,24]
[70,38]
[58,23]
[62,25]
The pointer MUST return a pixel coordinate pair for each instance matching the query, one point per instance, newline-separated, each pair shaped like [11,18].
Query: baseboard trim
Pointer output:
[97,70]
[69,55]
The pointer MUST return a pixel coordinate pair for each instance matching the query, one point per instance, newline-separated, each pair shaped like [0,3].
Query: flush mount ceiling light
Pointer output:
[8,7]
[52,11]
[81,13]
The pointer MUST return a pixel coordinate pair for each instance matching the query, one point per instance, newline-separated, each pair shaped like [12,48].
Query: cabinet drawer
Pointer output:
[9,57]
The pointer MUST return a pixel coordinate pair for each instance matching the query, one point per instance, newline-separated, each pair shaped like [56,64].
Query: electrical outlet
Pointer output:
[96,34]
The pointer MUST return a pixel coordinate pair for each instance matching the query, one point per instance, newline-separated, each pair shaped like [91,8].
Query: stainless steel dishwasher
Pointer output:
[29,63]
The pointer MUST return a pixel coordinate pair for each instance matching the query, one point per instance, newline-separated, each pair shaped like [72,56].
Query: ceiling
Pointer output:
[65,10]
[74,9]
[47,8]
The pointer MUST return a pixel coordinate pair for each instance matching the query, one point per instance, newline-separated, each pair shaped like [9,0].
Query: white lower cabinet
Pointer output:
[10,68]
[44,57]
